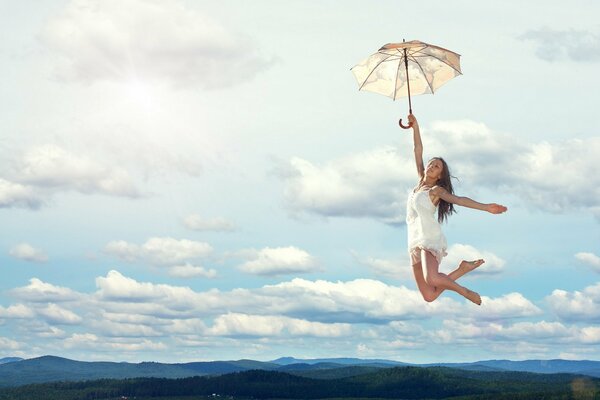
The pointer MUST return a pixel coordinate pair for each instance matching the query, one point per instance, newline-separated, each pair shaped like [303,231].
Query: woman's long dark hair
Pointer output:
[445,209]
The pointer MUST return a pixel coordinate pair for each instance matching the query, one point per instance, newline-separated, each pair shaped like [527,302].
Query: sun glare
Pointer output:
[141,95]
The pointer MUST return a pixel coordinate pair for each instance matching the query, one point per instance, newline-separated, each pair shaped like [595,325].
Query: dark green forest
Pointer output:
[392,383]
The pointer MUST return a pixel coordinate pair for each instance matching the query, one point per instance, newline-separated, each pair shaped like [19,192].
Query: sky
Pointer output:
[199,180]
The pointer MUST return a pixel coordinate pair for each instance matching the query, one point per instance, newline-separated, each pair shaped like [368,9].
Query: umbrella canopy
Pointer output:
[407,68]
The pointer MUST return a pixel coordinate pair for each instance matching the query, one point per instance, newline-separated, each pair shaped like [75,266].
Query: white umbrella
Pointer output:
[427,67]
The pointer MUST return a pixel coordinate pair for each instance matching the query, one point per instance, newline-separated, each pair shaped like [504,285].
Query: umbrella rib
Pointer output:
[373,70]
[439,59]
[424,75]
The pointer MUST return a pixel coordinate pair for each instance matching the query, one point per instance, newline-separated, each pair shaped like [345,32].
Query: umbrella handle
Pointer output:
[404,126]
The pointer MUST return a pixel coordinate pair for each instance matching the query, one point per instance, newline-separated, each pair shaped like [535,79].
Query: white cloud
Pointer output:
[117,329]
[52,167]
[577,305]
[369,184]
[55,314]
[166,41]
[455,331]
[511,305]
[16,195]
[278,261]
[590,259]
[190,271]
[458,252]
[16,311]
[145,298]
[52,332]
[125,251]
[92,341]
[169,250]
[123,312]
[590,335]
[396,268]
[9,344]
[234,324]
[556,45]
[374,183]
[42,292]
[161,251]
[359,300]
[26,252]
[48,169]
[197,223]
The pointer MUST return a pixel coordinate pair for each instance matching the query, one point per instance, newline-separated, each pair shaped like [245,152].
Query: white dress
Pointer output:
[424,230]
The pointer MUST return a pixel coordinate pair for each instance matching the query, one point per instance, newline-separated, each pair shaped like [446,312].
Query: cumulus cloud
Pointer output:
[235,324]
[511,305]
[115,286]
[166,41]
[197,223]
[399,268]
[16,311]
[590,259]
[94,342]
[26,252]
[577,305]
[16,195]
[9,344]
[42,292]
[456,253]
[375,183]
[169,250]
[125,314]
[55,314]
[368,184]
[189,271]
[32,179]
[52,167]
[459,332]
[359,300]
[278,261]
[557,45]
[161,251]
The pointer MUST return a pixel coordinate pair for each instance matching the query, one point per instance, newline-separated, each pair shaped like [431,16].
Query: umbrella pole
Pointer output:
[409,102]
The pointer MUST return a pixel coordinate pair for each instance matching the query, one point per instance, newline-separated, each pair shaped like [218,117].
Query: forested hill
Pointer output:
[392,383]
[16,372]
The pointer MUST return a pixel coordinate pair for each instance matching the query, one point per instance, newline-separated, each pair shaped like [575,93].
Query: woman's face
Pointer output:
[434,169]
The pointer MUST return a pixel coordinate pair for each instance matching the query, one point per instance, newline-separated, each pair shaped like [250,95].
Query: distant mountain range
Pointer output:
[9,359]
[15,371]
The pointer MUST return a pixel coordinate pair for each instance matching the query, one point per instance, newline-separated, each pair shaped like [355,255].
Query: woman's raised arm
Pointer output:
[418,145]
[441,193]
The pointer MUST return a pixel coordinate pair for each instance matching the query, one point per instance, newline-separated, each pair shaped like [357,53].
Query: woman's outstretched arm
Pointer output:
[441,193]
[418,145]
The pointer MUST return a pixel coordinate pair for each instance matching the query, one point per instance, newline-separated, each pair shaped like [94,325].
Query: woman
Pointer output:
[426,242]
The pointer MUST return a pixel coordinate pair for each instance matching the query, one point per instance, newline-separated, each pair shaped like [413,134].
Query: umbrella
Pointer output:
[427,67]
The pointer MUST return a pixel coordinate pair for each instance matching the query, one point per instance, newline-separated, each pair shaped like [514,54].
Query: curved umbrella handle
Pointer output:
[404,126]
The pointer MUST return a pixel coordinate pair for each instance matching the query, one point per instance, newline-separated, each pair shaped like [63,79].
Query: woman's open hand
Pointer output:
[496,208]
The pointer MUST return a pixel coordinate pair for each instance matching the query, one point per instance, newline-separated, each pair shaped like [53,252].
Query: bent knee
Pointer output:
[429,297]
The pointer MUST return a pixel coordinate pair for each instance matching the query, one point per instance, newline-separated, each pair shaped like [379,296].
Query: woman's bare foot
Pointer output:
[473,296]
[468,266]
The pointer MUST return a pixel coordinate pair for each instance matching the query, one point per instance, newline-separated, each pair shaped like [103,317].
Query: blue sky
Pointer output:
[191,180]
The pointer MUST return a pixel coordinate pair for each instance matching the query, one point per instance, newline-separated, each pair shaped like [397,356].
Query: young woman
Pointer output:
[429,204]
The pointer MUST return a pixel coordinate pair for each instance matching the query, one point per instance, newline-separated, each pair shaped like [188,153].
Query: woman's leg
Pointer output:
[463,268]
[438,281]
[428,292]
